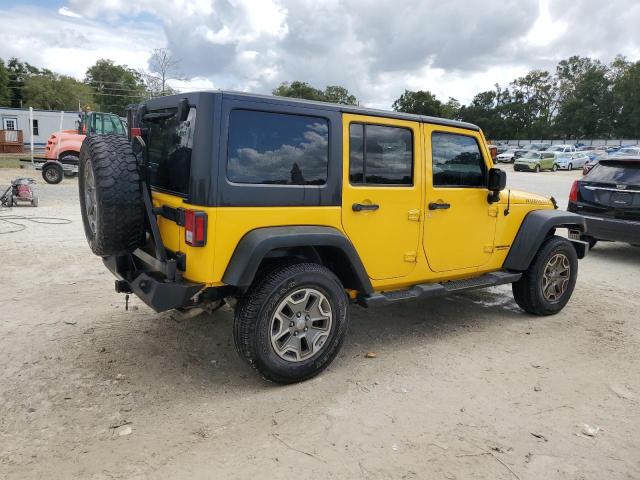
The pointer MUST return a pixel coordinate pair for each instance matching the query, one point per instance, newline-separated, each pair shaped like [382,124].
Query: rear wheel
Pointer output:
[555,167]
[546,287]
[292,322]
[52,173]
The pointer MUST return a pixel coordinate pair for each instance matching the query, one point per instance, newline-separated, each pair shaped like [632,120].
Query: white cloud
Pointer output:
[375,49]
[66,12]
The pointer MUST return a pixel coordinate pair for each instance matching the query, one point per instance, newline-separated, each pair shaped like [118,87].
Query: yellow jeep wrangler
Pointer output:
[291,210]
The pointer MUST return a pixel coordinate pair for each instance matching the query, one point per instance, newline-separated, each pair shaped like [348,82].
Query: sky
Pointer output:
[377,49]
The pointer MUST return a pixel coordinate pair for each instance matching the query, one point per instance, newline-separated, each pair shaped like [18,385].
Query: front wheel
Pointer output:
[292,322]
[52,173]
[537,168]
[546,287]
[570,167]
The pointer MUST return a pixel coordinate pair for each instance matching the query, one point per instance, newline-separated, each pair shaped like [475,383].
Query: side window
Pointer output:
[457,161]
[380,155]
[277,149]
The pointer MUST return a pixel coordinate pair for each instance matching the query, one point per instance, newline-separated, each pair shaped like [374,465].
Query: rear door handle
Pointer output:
[359,207]
[439,206]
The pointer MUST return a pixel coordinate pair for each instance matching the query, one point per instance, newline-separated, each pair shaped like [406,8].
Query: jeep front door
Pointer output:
[460,223]
[382,192]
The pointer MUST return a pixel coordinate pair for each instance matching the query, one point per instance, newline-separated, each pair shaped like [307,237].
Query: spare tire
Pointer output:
[110,190]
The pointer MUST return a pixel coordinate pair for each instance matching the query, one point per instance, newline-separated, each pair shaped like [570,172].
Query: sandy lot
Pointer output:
[462,387]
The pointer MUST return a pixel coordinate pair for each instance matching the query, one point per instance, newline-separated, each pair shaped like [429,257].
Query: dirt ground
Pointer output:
[462,387]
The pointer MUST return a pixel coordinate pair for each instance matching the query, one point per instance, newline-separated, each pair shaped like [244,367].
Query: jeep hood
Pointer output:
[520,197]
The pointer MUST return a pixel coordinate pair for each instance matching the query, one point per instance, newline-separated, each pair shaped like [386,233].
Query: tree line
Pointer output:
[106,87]
[583,98]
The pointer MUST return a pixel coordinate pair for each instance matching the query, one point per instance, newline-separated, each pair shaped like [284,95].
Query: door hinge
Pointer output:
[493,212]
[410,257]
[488,249]
[414,215]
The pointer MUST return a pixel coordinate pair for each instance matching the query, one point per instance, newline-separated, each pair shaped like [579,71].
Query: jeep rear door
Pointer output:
[381,193]
[460,223]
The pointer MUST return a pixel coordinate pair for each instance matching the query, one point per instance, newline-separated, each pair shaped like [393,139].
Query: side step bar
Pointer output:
[430,290]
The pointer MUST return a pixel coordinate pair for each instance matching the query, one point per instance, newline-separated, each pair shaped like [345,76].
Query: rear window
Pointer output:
[616,172]
[271,148]
[169,145]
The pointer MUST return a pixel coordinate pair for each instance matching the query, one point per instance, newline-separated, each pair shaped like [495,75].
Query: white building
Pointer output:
[45,122]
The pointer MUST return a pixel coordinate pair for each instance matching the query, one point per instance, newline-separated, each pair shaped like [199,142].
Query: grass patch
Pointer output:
[9,162]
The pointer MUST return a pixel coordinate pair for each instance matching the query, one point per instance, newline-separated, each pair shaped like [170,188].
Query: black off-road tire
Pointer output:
[53,173]
[257,306]
[119,222]
[527,291]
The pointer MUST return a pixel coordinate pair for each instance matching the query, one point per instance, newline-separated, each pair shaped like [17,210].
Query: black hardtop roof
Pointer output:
[297,102]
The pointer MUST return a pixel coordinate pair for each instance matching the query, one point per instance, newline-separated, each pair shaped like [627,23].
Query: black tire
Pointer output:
[116,225]
[69,159]
[570,167]
[255,310]
[53,173]
[554,168]
[527,291]
[537,168]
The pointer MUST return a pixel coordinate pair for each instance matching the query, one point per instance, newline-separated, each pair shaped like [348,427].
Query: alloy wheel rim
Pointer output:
[555,278]
[90,197]
[51,174]
[300,325]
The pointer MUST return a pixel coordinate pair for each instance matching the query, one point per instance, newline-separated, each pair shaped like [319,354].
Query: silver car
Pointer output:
[569,161]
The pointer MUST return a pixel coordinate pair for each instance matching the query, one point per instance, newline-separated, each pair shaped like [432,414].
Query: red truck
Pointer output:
[62,152]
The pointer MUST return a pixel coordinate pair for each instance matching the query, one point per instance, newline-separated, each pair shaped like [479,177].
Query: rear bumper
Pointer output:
[613,229]
[141,274]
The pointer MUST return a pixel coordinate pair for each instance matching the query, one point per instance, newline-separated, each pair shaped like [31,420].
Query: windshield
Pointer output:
[555,148]
[532,155]
[622,172]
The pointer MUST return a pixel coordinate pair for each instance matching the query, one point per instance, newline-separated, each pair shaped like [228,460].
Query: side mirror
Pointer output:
[497,181]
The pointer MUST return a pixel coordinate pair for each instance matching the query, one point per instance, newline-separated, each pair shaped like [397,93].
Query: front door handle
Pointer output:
[360,207]
[439,206]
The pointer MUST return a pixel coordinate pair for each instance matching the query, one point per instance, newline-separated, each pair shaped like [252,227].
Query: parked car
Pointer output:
[561,149]
[535,162]
[626,152]
[310,207]
[510,155]
[609,199]
[569,161]
[596,156]
[537,147]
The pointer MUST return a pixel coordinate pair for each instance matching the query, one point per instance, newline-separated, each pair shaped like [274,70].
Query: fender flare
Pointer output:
[534,230]
[257,244]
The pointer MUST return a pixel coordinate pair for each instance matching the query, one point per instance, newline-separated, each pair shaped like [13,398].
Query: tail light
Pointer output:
[195,228]
[573,194]
[136,132]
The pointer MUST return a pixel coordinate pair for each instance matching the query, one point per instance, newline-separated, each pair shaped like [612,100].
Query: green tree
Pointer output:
[586,99]
[332,93]
[115,86]
[420,102]
[626,99]
[5,91]
[56,92]
[297,89]
[338,94]
[451,109]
